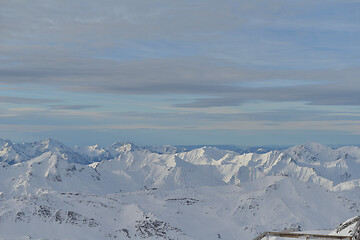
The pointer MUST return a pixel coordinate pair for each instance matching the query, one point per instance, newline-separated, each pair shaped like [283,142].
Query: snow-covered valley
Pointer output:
[123,191]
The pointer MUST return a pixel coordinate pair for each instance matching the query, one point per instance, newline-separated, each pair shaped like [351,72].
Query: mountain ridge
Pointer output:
[126,191]
[147,166]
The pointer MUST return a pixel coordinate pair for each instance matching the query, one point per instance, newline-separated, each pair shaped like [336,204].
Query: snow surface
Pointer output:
[52,191]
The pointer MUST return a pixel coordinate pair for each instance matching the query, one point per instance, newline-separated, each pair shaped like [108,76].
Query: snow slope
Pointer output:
[201,212]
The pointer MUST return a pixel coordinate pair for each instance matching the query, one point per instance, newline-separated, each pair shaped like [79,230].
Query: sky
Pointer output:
[187,72]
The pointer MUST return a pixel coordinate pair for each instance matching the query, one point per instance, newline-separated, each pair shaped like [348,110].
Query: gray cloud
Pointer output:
[22,100]
[72,107]
[103,22]
[179,120]
[200,77]
[82,46]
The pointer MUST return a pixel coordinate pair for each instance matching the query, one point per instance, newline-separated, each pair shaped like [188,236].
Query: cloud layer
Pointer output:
[152,64]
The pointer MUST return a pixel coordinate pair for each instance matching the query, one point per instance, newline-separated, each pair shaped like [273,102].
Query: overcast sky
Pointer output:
[180,72]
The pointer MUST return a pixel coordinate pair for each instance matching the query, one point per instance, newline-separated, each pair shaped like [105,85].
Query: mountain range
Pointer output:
[52,191]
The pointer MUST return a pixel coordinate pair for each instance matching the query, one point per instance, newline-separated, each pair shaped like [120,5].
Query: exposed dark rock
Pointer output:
[183,201]
[148,228]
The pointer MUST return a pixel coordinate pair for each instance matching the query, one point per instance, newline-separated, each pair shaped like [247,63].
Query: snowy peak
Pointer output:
[123,146]
[126,191]
[12,153]
[310,152]
[5,143]
[204,156]
[15,153]
[93,153]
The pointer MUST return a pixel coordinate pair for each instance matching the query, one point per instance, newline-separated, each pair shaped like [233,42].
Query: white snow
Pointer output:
[52,191]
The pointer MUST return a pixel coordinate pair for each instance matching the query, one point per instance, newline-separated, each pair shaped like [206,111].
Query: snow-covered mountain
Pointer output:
[14,153]
[127,191]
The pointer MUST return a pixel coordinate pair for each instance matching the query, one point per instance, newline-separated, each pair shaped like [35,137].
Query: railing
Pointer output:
[267,235]
[351,226]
